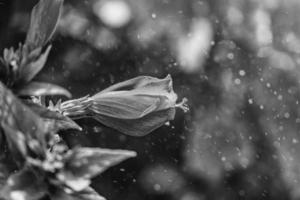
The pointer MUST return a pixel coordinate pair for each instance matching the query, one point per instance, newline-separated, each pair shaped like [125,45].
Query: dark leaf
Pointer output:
[87,194]
[17,117]
[85,163]
[25,185]
[55,119]
[30,70]
[7,164]
[3,71]
[88,162]
[2,142]
[17,143]
[44,19]
[43,89]
[2,180]
[5,170]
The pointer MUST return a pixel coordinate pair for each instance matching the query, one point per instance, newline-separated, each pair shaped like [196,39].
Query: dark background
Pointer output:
[236,61]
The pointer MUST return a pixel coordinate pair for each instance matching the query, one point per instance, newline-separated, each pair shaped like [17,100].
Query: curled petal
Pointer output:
[141,126]
[145,85]
[125,106]
[129,84]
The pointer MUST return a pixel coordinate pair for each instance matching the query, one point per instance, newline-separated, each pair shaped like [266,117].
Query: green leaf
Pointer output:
[31,69]
[42,89]
[25,185]
[85,163]
[44,19]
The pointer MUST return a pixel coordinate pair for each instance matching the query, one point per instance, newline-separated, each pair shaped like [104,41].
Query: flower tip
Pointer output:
[169,78]
[183,105]
[169,82]
[130,154]
[133,154]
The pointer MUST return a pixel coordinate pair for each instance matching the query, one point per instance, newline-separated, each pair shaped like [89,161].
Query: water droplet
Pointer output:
[250,101]
[230,56]
[157,187]
[242,73]
[237,81]
[295,141]
[287,115]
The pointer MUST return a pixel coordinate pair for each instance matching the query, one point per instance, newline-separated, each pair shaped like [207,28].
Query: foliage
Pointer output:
[46,166]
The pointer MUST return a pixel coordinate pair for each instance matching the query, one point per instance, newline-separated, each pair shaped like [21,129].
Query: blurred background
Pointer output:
[237,62]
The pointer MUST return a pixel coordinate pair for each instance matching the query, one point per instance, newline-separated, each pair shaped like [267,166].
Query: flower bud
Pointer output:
[136,106]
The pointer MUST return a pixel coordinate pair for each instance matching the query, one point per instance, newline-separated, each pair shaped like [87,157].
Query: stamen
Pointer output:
[183,105]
